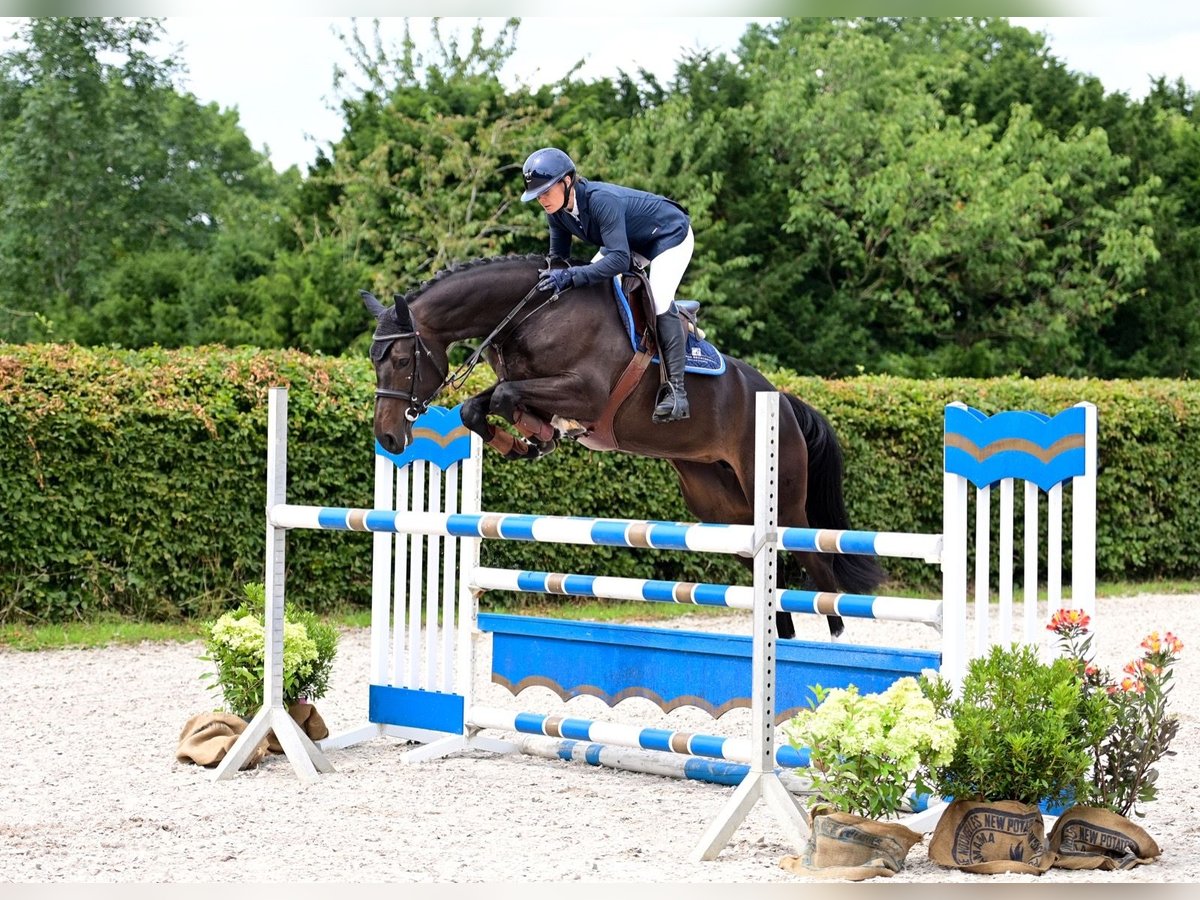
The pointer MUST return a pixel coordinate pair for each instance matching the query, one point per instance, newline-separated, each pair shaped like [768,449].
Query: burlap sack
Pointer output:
[987,837]
[309,720]
[1086,837]
[850,847]
[207,737]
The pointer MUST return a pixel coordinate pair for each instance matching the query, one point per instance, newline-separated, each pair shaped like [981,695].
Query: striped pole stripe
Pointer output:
[864,543]
[681,742]
[696,769]
[698,537]
[605,587]
[863,606]
[613,588]
[652,762]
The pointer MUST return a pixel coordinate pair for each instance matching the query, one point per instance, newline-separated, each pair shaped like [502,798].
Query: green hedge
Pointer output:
[133,481]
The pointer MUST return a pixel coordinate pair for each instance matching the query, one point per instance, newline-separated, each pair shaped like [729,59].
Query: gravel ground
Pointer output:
[93,793]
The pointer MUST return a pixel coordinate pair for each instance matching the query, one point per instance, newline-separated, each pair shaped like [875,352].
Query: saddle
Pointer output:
[637,314]
[633,290]
[635,303]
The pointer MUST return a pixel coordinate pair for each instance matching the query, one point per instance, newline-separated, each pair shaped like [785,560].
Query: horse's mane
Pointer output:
[468,265]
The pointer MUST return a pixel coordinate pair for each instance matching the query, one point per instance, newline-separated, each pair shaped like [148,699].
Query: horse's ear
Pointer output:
[403,315]
[374,307]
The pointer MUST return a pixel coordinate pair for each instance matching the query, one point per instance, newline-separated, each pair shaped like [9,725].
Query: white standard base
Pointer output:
[305,757]
[925,820]
[765,785]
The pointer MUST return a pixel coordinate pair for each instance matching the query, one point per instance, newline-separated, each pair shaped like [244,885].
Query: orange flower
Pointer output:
[1069,619]
[1133,686]
[1168,643]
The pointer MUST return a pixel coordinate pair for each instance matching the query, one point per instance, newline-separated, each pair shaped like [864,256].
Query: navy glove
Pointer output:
[557,280]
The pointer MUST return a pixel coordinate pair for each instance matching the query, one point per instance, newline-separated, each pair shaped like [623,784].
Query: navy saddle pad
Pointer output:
[700,357]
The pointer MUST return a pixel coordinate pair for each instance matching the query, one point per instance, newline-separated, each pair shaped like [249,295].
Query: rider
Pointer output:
[628,226]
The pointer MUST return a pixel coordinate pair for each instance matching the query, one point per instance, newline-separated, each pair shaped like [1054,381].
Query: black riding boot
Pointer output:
[672,397]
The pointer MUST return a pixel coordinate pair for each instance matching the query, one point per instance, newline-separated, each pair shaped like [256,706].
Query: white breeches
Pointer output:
[665,271]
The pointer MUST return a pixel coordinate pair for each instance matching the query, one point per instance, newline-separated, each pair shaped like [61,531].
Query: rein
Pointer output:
[460,375]
[416,406]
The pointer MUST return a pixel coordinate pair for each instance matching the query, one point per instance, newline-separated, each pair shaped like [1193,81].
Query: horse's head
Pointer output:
[407,374]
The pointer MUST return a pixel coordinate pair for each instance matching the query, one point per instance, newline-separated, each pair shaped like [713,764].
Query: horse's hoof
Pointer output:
[531,449]
[568,428]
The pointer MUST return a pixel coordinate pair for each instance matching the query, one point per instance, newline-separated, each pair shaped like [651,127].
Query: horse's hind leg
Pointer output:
[733,485]
[810,570]
[713,493]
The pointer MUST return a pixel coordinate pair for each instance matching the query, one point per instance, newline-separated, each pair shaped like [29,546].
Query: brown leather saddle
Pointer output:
[599,434]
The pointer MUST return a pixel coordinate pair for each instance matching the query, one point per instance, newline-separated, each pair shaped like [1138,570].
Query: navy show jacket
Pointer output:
[618,220]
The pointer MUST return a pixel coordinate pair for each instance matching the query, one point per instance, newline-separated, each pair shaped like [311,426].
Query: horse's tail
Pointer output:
[826,508]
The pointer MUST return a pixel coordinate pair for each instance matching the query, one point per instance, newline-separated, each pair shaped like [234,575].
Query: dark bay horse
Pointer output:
[562,359]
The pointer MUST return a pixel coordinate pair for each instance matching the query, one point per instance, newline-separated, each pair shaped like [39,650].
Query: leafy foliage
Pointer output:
[916,196]
[866,752]
[105,172]
[132,481]
[1024,728]
[235,645]
[911,196]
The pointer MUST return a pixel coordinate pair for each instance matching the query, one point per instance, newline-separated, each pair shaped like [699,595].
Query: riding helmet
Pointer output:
[543,169]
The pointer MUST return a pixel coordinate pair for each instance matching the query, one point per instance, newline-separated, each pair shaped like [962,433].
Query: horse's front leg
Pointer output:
[475,412]
[533,403]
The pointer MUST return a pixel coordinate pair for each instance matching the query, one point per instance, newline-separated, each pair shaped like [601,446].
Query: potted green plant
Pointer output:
[234,644]
[1025,728]
[867,752]
[1135,732]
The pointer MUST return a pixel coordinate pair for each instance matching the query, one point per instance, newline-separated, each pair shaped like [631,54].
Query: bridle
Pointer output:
[417,406]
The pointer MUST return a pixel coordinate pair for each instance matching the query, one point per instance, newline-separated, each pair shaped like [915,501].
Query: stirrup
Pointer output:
[679,409]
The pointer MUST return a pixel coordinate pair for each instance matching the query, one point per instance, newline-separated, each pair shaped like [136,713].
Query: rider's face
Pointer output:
[555,198]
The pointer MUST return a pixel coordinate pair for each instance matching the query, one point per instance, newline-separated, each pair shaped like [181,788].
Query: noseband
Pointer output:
[416,406]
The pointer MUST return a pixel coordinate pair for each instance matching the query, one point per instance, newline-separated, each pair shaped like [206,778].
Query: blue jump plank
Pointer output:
[676,668]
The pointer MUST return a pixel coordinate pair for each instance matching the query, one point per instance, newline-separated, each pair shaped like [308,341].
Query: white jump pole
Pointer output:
[305,756]
[762,781]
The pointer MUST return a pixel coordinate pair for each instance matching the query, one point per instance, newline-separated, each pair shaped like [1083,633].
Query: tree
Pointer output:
[102,161]
[897,236]
[426,170]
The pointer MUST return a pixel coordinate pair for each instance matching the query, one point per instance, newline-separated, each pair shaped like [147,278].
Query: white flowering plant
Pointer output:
[236,648]
[867,751]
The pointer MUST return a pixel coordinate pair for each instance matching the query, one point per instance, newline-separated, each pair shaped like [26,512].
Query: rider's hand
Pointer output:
[557,280]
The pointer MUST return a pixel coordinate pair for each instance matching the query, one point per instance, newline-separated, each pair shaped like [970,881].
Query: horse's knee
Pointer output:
[474,416]
[504,401]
